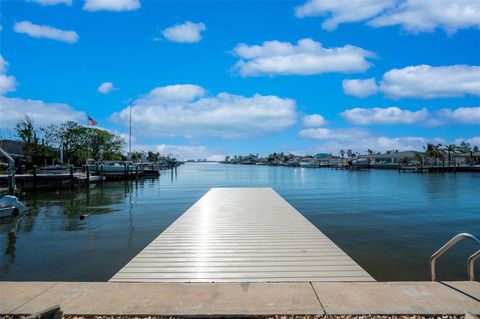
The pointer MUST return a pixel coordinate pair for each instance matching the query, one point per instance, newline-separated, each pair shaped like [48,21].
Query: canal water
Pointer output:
[388,222]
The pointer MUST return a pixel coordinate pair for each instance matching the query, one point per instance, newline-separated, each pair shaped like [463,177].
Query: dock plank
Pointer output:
[241,235]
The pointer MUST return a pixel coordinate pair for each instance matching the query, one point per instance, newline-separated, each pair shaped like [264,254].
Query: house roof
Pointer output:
[13,148]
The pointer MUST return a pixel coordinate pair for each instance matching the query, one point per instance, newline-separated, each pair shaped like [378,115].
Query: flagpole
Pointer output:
[130,131]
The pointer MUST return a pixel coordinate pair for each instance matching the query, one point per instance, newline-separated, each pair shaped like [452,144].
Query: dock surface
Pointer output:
[232,300]
[241,235]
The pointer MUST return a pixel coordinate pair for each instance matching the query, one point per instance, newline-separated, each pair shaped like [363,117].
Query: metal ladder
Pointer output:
[452,242]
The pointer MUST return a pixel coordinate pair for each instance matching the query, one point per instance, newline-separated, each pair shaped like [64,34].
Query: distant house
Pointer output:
[392,158]
[16,149]
[466,158]
[326,159]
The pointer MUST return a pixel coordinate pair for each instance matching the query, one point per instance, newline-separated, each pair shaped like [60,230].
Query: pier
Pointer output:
[241,252]
[241,235]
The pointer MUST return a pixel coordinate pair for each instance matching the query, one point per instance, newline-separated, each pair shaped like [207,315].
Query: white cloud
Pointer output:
[8,83]
[474,141]
[15,109]
[360,88]
[464,115]
[327,134]
[172,93]
[187,32]
[314,120]
[359,140]
[45,31]
[111,5]
[3,65]
[342,11]
[307,57]
[52,2]
[184,110]
[427,15]
[412,15]
[106,87]
[425,81]
[184,152]
[387,115]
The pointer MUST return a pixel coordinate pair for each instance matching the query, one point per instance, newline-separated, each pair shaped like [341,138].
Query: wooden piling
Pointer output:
[87,182]
[71,177]
[34,177]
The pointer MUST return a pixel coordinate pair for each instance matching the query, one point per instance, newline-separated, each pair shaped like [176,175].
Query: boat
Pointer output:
[112,168]
[10,206]
[149,169]
[308,164]
[361,163]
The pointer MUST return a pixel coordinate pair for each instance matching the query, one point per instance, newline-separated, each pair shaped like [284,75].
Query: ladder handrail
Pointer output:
[449,244]
[471,265]
[11,169]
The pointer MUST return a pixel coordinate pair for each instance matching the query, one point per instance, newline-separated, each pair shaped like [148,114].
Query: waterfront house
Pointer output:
[16,149]
[325,159]
[393,158]
[466,159]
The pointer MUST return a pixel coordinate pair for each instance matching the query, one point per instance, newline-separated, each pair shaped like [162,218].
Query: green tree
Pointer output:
[154,157]
[80,143]
[434,151]
[450,149]
[38,152]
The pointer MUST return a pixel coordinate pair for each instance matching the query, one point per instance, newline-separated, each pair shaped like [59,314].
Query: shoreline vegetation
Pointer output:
[434,158]
[70,155]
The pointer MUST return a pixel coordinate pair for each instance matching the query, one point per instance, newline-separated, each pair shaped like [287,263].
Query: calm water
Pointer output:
[388,222]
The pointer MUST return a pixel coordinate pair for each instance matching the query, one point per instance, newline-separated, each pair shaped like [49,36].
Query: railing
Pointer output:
[11,171]
[452,242]
[471,265]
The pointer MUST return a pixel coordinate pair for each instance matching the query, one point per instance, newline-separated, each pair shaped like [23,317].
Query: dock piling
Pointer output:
[71,177]
[34,177]
[87,182]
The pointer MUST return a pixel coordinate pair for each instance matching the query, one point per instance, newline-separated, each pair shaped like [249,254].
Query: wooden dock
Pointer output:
[241,235]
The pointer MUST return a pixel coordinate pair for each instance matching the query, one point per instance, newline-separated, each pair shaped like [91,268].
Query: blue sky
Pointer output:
[210,78]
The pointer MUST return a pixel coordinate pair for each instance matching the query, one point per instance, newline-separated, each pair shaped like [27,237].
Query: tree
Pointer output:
[434,151]
[80,143]
[38,152]
[153,157]
[342,153]
[349,153]
[450,149]
[466,148]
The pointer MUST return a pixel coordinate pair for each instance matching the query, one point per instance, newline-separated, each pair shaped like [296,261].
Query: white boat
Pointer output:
[10,205]
[308,164]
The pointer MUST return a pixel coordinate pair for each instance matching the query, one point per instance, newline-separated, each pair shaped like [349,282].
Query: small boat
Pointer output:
[308,164]
[112,168]
[10,206]
[361,163]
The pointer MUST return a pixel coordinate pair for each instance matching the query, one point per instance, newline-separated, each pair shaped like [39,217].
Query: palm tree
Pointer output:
[466,148]
[450,149]
[342,153]
[434,151]
[419,158]
[349,153]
